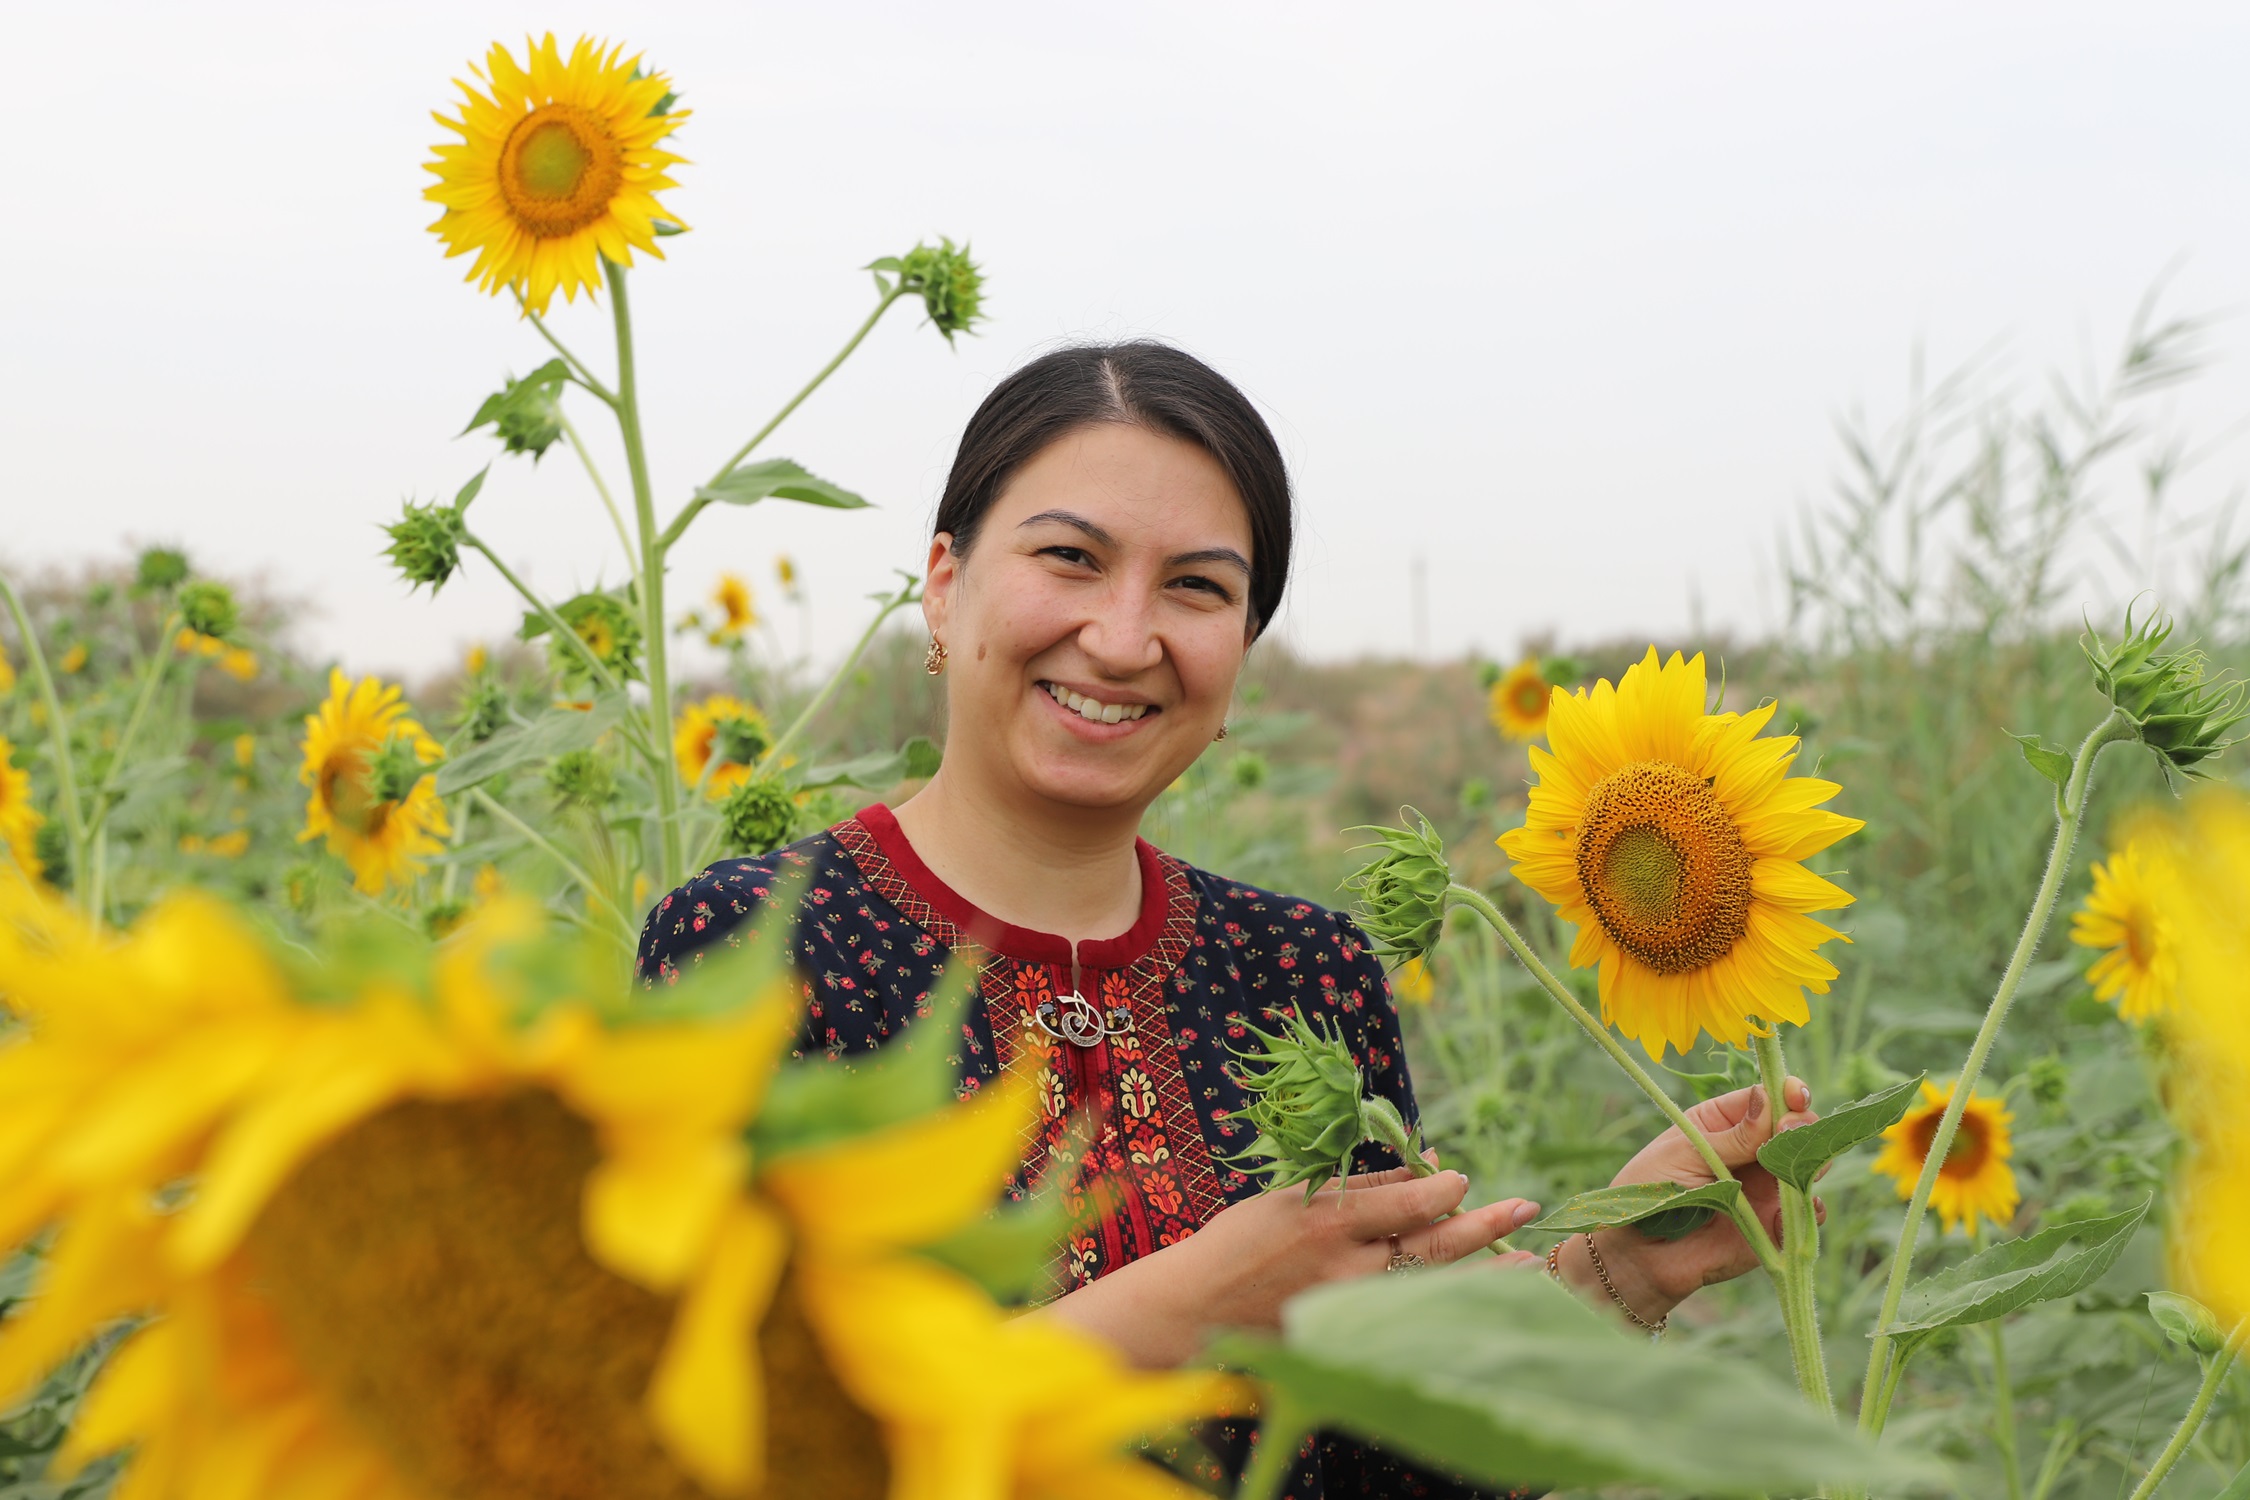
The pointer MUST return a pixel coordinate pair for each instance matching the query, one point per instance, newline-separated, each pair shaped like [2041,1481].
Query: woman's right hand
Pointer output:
[1250,1258]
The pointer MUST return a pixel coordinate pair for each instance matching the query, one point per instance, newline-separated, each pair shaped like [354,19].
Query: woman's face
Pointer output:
[1095,631]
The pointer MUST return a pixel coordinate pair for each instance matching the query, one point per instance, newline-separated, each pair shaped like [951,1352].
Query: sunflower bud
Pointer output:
[742,741]
[484,708]
[609,629]
[1401,893]
[426,543]
[951,286]
[1248,770]
[2173,705]
[208,608]
[759,815]
[581,779]
[526,414]
[393,770]
[160,570]
[1308,1109]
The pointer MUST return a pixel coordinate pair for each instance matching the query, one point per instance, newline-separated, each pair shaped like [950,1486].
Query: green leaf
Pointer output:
[523,414]
[2058,1262]
[2186,1322]
[2050,761]
[551,734]
[1509,1380]
[879,772]
[1796,1156]
[1702,1085]
[824,1100]
[1605,1208]
[468,491]
[2239,1489]
[779,479]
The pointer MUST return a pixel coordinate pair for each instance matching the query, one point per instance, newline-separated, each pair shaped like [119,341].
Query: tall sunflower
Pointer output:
[1976,1180]
[462,1230]
[557,168]
[723,729]
[2139,971]
[19,820]
[1671,838]
[370,796]
[1518,703]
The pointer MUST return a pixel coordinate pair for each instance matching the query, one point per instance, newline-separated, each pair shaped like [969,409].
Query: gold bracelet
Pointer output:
[1601,1273]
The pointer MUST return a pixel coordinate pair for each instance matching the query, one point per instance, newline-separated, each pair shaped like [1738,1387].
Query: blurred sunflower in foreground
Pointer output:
[719,742]
[462,1227]
[1975,1181]
[557,168]
[371,798]
[1671,838]
[2139,970]
[19,820]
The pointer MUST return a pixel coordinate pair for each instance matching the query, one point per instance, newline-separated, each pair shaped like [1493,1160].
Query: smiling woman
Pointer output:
[1113,537]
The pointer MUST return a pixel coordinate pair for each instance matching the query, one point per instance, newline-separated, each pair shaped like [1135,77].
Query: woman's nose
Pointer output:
[1121,638]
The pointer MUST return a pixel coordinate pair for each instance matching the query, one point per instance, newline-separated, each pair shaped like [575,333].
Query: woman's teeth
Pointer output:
[1094,708]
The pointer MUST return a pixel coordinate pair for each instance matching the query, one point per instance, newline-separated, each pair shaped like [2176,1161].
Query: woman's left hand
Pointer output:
[1654,1276]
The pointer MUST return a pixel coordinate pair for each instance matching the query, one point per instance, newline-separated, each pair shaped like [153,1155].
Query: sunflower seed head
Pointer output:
[208,608]
[1400,894]
[426,543]
[2176,706]
[1305,1103]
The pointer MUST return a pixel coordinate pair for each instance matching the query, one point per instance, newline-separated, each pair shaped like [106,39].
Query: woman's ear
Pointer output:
[941,577]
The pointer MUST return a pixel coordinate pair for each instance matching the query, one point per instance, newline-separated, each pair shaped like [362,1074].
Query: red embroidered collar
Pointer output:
[1024,943]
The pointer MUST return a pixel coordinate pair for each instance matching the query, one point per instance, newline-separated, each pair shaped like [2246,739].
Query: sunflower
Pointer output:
[1671,838]
[1975,1180]
[722,729]
[2140,970]
[74,660]
[1519,701]
[736,612]
[1413,982]
[459,1230]
[557,168]
[7,675]
[19,820]
[363,759]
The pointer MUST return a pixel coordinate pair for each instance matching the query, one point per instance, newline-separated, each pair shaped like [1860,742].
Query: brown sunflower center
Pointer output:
[346,790]
[1966,1156]
[1531,698]
[559,169]
[2140,938]
[1664,867]
[429,1271]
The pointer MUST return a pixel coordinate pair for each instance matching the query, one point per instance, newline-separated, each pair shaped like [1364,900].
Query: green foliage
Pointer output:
[2174,706]
[2014,1274]
[159,570]
[1797,1156]
[1640,1203]
[758,815]
[949,282]
[2187,1322]
[1309,1107]
[426,544]
[558,731]
[526,415]
[1400,894]
[778,479]
[207,607]
[582,779]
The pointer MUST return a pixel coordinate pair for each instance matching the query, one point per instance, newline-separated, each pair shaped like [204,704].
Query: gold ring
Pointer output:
[1404,1260]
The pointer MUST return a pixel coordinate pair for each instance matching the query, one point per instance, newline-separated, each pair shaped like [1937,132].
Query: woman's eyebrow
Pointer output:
[1226,555]
[1073,520]
[1096,533]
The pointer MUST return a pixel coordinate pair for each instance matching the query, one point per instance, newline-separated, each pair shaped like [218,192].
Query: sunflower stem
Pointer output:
[601,488]
[97,815]
[1800,1243]
[1745,1218]
[1280,1434]
[546,611]
[570,867]
[58,736]
[2070,808]
[908,593]
[661,767]
[2215,1370]
[578,369]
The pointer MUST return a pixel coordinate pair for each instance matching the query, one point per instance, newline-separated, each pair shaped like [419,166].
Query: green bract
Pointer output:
[1308,1109]
[609,628]
[1401,894]
[526,414]
[208,608]
[759,815]
[951,286]
[426,543]
[581,778]
[2173,705]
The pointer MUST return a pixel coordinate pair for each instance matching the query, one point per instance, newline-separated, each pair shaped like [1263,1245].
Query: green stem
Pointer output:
[2214,1375]
[58,737]
[546,611]
[1280,1433]
[2004,1411]
[97,815]
[695,506]
[1800,1243]
[601,488]
[909,593]
[539,841]
[661,767]
[585,377]
[1745,1219]
[2070,807]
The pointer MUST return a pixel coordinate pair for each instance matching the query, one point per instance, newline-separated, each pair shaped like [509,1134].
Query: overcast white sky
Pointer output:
[1562,298]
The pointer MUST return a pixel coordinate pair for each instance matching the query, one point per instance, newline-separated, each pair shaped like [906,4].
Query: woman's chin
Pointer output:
[1094,781]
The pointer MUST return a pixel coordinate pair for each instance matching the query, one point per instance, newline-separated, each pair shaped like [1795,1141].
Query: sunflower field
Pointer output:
[341,1156]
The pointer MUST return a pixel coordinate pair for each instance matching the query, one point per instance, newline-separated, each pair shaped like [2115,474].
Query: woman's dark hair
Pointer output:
[1150,385]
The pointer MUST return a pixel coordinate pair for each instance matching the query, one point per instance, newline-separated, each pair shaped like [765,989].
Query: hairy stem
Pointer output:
[546,611]
[2004,1411]
[1800,1243]
[908,593]
[578,370]
[2070,808]
[2215,1370]
[601,488]
[570,867]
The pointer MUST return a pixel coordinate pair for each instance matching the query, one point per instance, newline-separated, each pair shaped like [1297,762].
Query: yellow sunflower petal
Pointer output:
[707,1399]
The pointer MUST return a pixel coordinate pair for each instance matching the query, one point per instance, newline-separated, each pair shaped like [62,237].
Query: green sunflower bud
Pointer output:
[484,708]
[208,608]
[426,543]
[160,570]
[1248,770]
[2171,700]
[581,779]
[394,770]
[759,815]
[1488,673]
[526,414]
[951,286]
[742,742]
[1309,1111]
[441,919]
[1401,894]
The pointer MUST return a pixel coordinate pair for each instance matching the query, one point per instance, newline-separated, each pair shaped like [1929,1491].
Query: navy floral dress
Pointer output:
[1206,958]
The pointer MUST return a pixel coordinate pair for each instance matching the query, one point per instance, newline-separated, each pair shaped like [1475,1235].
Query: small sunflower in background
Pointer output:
[1976,1181]
[719,742]
[557,169]
[785,569]
[1518,701]
[19,820]
[2139,970]
[74,660]
[1671,838]
[736,612]
[7,675]
[371,798]
[1412,982]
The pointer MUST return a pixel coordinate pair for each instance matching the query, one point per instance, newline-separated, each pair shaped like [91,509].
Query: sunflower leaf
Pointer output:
[2186,1322]
[553,733]
[880,770]
[2058,1262]
[2050,761]
[1510,1381]
[2239,1489]
[1796,1156]
[1606,1208]
[779,479]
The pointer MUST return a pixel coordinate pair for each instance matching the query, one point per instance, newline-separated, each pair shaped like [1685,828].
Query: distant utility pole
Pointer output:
[1420,588]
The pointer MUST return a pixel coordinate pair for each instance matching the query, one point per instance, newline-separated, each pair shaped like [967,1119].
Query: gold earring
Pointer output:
[934,663]
[1222,734]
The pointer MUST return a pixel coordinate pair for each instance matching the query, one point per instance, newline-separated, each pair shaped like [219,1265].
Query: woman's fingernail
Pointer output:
[1524,1214]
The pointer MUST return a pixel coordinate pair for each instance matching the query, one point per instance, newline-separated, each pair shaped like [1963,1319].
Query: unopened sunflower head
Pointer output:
[950,285]
[759,814]
[160,570]
[426,543]
[526,415]
[2172,700]
[1307,1105]
[608,628]
[581,779]
[207,607]
[1400,894]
